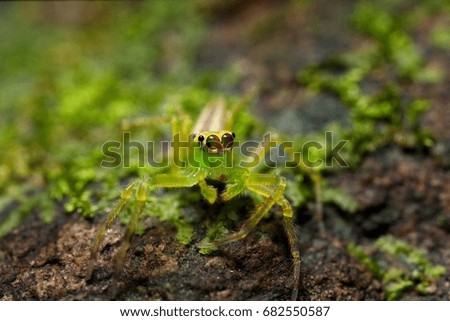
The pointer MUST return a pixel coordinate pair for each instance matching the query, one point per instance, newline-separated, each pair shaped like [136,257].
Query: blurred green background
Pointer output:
[70,72]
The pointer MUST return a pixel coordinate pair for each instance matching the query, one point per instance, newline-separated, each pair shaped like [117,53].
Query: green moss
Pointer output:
[399,266]
[168,209]
[379,112]
[372,264]
[297,191]
[336,196]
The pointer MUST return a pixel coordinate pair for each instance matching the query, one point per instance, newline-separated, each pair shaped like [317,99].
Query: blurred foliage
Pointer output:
[373,80]
[67,84]
[441,36]
[399,266]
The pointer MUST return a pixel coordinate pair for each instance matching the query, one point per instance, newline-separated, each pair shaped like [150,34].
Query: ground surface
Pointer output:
[403,193]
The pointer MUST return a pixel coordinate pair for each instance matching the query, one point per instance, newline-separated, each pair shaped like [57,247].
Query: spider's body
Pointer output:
[207,154]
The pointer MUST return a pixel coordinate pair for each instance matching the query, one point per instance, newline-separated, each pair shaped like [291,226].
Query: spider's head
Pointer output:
[215,142]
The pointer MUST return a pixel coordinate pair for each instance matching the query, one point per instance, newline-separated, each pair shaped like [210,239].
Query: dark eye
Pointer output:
[227,140]
[201,138]
[213,141]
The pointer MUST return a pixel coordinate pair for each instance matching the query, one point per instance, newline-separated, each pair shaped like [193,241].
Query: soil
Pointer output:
[400,192]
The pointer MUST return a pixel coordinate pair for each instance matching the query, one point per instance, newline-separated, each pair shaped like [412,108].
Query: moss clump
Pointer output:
[399,266]
[372,82]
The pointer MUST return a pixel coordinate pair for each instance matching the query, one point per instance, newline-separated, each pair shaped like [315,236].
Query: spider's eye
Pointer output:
[213,141]
[227,140]
[201,138]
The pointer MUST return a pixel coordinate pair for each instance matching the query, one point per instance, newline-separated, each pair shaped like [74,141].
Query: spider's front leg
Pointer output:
[139,189]
[271,187]
[124,198]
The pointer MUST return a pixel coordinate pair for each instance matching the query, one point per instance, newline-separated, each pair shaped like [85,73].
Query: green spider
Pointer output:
[208,157]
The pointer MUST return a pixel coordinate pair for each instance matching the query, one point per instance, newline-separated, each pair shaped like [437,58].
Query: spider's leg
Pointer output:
[208,192]
[177,180]
[156,181]
[240,105]
[245,229]
[144,122]
[180,127]
[271,187]
[180,122]
[314,174]
[141,198]
[124,197]
[316,177]
[288,222]
[247,181]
